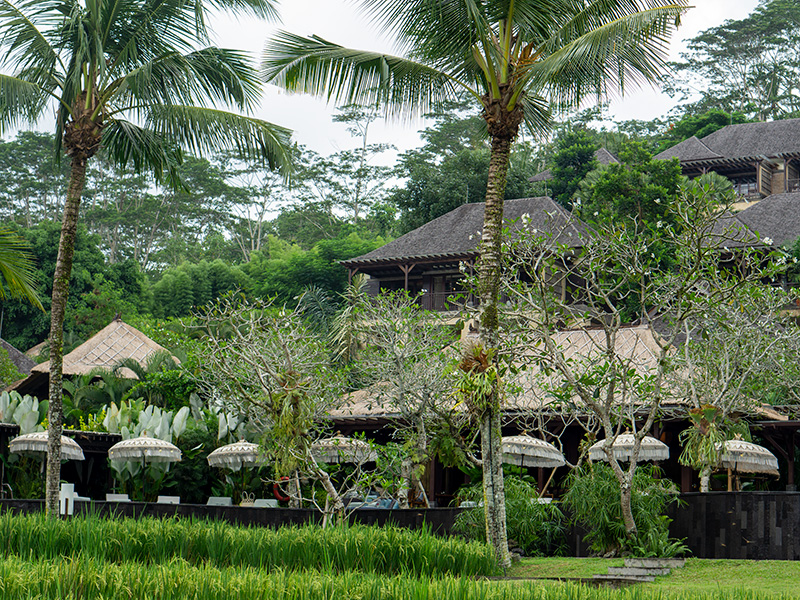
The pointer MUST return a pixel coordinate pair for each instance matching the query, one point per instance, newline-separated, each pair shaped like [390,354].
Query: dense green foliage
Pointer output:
[451,169]
[538,529]
[638,188]
[573,160]
[593,499]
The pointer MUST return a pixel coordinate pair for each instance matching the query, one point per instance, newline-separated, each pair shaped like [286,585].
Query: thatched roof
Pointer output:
[776,217]
[602,156]
[456,234]
[23,363]
[636,344]
[730,231]
[745,140]
[584,346]
[112,344]
[691,149]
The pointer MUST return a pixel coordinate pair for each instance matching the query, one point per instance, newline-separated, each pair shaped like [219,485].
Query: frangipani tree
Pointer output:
[601,329]
[517,59]
[137,79]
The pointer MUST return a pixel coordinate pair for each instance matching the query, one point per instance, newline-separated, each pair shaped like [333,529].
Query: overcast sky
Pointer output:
[340,22]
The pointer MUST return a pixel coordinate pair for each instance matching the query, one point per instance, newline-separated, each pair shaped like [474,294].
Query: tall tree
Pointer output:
[136,78]
[751,65]
[516,59]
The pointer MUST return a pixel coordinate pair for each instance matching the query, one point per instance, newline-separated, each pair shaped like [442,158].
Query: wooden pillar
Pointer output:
[686,479]
[406,269]
[785,175]
[790,485]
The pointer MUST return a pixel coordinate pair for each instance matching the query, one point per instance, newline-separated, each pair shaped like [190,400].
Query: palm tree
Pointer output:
[135,78]
[517,59]
[16,269]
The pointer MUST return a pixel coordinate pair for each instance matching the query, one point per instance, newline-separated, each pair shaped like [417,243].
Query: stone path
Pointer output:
[640,570]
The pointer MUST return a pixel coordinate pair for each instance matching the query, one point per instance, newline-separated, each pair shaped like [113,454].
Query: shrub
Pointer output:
[537,529]
[593,497]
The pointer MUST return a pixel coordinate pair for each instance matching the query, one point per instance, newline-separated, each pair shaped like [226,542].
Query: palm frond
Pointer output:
[16,269]
[211,76]
[630,48]
[265,9]
[22,38]
[131,146]
[20,102]
[314,65]
[202,130]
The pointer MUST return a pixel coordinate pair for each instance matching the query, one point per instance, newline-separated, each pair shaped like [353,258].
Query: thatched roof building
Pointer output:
[104,350]
[455,236]
[23,363]
[776,217]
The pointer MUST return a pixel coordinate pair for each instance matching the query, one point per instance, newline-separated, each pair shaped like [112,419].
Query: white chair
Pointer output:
[117,498]
[220,501]
[168,500]
[265,503]
[66,499]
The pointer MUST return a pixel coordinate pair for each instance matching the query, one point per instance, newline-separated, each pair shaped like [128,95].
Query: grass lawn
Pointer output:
[699,576]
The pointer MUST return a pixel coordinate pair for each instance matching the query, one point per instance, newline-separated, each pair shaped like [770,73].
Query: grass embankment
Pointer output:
[715,578]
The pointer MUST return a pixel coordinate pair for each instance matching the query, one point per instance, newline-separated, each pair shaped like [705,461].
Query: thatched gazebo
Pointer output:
[104,350]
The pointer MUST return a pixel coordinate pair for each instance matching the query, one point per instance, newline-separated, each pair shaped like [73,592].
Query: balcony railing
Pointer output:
[445,301]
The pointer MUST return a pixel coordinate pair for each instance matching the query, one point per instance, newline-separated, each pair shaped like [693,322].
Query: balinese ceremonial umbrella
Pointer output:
[651,449]
[739,456]
[146,449]
[529,451]
[341,449]
[37,444]
[234,456]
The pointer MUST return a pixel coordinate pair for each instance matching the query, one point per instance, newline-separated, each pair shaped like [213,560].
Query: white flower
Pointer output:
[657,200]
[526,217]
[470,236]
[596,213]
[767,241]
[660,224]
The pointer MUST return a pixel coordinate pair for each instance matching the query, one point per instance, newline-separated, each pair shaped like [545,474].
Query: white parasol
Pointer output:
[341,449]
[234,456]
[746,457]
[146,449]
[528,451]
[651,449]
[37,443]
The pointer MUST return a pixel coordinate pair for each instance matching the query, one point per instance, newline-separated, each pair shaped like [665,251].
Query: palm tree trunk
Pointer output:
[489,290]
[66,249]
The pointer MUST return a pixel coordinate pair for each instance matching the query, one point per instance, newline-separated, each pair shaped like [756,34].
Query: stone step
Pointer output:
[625,579]
[637,572]
[655,563]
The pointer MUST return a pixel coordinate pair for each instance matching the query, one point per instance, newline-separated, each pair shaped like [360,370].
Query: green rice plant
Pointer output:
[93,579]
[151,541]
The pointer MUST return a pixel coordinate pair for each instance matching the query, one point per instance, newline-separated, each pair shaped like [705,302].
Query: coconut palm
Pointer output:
[16,269]
[136,78]
[518,59]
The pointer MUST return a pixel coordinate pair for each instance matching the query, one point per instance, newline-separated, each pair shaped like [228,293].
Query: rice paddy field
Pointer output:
[109,559]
